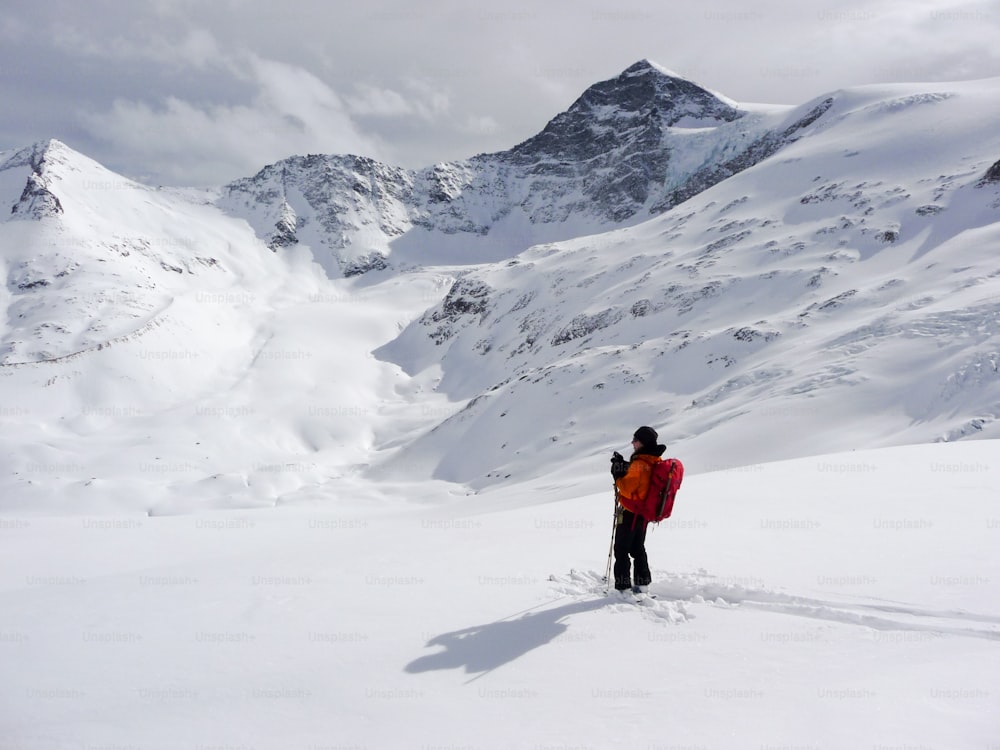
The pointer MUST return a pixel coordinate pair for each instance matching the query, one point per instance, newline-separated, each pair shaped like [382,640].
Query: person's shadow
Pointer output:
[482,648]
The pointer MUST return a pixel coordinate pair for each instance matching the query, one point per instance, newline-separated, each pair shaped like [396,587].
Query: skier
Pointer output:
[631,485]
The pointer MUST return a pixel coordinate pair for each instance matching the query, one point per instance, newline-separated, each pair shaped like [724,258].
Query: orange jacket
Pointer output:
[633,487]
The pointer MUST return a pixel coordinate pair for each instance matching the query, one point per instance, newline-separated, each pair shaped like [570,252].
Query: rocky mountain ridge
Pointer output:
[37,200]
[629,148]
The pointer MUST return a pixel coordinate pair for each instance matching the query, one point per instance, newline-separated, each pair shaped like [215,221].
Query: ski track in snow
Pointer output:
[676,592]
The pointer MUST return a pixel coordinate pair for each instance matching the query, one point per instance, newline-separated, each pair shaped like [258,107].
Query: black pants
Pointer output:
[630,540]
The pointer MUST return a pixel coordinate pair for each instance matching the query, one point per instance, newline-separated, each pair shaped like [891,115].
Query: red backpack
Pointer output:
[665,480]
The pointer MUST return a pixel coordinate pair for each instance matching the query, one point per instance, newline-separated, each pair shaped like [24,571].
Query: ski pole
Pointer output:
[611,547]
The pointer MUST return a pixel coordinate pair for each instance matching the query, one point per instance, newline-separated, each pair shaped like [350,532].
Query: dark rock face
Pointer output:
[584,325]
[630,110]
[611,144]
[467,297]
[372,262]
[37,201]
[992,175]
[337,188]
[284,234]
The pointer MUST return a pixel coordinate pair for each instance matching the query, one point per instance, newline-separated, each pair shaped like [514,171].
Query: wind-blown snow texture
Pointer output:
[413,362]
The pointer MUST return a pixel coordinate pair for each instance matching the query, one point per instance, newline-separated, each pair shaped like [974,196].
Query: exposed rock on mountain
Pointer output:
[36,200]
[629,147]
[992,175]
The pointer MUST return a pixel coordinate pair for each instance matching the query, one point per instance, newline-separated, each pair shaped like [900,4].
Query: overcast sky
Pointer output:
[199,92]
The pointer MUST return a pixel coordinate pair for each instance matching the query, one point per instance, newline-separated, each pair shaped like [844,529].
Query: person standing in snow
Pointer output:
[632,479]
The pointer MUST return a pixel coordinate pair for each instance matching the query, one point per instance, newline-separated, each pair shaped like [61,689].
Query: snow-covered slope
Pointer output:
[91,258]
[153,345]
[842,602]
[842,293]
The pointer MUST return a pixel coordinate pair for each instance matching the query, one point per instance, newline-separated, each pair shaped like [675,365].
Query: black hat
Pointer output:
[647,436]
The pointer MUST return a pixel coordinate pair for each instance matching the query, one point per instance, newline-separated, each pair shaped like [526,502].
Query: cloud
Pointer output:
[431,103]
[421,100]
[292,111]
[480,125]
[195,47]
[378,102]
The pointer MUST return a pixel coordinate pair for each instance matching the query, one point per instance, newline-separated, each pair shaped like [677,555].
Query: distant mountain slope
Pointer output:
[91,257]
[841,293]
[628,148]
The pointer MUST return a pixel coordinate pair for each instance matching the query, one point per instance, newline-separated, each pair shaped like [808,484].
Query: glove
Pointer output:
[619,466]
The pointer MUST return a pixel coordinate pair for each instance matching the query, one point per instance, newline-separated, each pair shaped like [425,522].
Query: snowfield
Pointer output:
[320,459]
[844,601]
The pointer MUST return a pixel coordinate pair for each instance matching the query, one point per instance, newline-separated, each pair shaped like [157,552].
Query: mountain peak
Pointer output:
[36,200]
[52,169]
[638,106]
[647,87]
[52,145]
[40,156]
[647,66]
